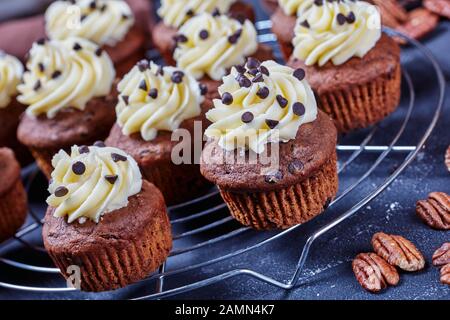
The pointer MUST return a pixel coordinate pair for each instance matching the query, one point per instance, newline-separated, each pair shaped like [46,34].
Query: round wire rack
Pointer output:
[202,227]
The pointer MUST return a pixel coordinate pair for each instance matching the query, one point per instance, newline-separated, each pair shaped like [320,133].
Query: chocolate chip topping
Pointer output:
[253,71]
[258,78]
[204,34]
[143,65]
[111,178]
[78,168]
[190,12]
[282,101]
[153,93]
[83,149]
[264,70]
[216,12]
[160,70]
[37,85]
[299,74]
[244,82]
[318,2]
[143,85]
[118,157]
[56,74]
[235,37]
[61,192]
[227,98]
[253,63]
[93,5]
[263,92]
[295,167]
[240,69]
[272,123]
[98,52]
[247,117]
[298,108]
[305,24]
[41,41]
[177,77]
[341,19]
[203,89]
[77,46]
[99,144]
[351,17]
[41,67]
[126,99]
[180,38]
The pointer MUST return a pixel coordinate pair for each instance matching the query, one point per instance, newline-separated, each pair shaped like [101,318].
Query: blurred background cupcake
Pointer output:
[154,103]
[67,91]
[174,13]
[351,65]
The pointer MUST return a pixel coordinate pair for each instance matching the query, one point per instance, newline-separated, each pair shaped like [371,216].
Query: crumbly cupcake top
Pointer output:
[63,74]
[154,98]
[336,31]
[261,103]
[176,12]
[105,22]
[210,44]
[11,70]
[295,7]
[92,181]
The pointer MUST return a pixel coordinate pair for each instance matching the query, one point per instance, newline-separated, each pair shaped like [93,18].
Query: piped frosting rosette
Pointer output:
[11,70]
[295,7]
[63,74]
[176,12]
[261,103]
[92,181]
[153,98]
[105,22]
[336,31]
[210,44]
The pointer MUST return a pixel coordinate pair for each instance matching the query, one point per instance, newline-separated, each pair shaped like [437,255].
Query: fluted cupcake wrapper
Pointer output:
[13,210]
[43,158]
[286,207]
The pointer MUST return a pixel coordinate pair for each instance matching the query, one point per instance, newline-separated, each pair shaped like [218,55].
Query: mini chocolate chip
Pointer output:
[240,69]
[244,82]
[78,168]
[111,178]
[41,41]
[318,2]
[126,99]
[103,8]
[299,74]
[118,157]
[61,191]
[233,39]
[259,78]
[41,67]
[253,63]
[295,167]
[204,34]
[282,101]
[37,85]
[98,52]
[125,16]
[216,12]
[264,70]
[253,71]
[56,74]
[143,65]
[272,123]
[351,17]
[305,24]
[273,177]
[143,85]
[203,89]
[181,38]
[341,19]
[247,117]
[77,46]
[177,77]
[160,71]
[99,144]
[227,98]
[93,5]
[153,93]
[83,149]
[298,108]
[263,92]
[82,17]
[190,12]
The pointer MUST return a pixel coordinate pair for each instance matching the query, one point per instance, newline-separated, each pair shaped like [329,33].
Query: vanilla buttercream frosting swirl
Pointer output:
[154,98]
[11,71]
[63,74]
[101,21]
[91,181]
[261,103]
[176,12]
[209,45]
[295,7]
[336,31]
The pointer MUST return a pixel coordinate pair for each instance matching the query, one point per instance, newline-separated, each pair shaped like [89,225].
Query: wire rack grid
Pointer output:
[203,223]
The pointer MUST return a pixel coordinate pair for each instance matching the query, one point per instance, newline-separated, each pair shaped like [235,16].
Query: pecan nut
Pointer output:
[447,158]
[435,211]
[373,272]
[420,23]
[445,274]
[440,7]
[398,251]
[442,255]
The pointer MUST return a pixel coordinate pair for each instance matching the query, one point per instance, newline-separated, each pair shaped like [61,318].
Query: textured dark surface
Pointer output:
[327,273]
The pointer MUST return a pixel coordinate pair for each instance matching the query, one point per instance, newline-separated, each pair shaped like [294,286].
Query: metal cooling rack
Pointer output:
[203,224]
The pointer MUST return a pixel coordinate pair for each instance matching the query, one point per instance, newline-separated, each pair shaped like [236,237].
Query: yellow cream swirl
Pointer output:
[101,21]
[92,181]
[336,31]
[210,45]
[256,110]
[295,7]
[176,12]
[63,74]
[11,70]
[155,98]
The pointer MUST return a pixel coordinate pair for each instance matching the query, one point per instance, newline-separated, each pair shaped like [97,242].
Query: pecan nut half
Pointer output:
[442,255]
[435,211]
[440,7]
[445,274]
[373,272]
[398,251]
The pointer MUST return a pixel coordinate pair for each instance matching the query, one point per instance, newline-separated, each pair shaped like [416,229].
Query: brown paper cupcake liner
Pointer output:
[286,207]
[13,210]
[43,158]
[114,267]
[362,105]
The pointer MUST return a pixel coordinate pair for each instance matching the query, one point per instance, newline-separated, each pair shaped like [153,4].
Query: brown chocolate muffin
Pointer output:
[276,189]
[13,198]
[116,245]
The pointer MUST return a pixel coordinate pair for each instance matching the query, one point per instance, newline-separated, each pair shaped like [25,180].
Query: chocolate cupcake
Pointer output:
[353,68]
[104,219]
[209,45]
[155,104]
[11,71]
[284,20]
[67,90]
[174,13]
[108,23]
[271,153]
[13,198]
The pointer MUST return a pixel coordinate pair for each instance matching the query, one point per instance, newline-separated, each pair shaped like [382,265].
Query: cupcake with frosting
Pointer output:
[156,103]
[270,151]
[67,91]
[108,23]
[209,45]
[11,71]
[104,219]
[174,13]
[352,66]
